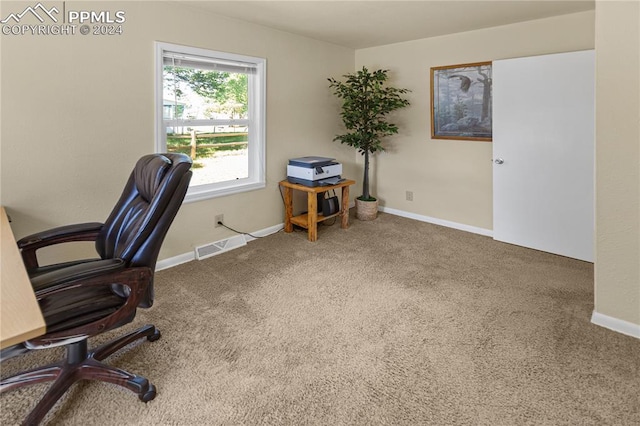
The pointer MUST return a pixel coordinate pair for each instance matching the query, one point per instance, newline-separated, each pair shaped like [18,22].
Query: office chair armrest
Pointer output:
[75,275]
[62,234]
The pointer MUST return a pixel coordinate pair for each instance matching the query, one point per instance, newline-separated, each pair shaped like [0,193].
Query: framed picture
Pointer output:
[461,102]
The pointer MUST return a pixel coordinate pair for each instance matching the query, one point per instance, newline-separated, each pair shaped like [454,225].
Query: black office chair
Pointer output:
[84,298]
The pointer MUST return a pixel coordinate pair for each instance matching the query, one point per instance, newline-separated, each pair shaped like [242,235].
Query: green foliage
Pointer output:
[230,90]
[366,102]
[208,84]
[208,144]
[238,92]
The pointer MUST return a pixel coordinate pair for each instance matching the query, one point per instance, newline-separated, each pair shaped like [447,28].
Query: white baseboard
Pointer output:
[175,261]
[436,221]
[188,257]
[615,324]
[264,232]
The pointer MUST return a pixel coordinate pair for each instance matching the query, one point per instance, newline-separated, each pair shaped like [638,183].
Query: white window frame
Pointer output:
[256,121]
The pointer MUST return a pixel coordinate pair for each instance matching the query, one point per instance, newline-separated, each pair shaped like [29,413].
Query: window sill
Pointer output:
[198,194]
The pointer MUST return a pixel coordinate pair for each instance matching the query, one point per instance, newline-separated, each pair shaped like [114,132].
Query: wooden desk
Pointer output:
[310,219]
[20,315]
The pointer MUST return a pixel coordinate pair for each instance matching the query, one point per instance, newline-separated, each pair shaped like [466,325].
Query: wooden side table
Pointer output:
[310,219]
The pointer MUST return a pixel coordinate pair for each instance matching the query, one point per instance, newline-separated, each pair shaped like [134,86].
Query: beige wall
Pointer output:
[452,180]
[78,111]
[617,266]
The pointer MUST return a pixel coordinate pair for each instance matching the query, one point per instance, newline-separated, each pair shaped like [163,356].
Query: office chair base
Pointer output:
[80,364]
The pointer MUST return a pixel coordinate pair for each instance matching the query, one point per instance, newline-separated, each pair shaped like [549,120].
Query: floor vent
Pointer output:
[218,247]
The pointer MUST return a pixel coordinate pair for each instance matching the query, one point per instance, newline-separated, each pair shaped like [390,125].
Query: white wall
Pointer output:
[77,112]
[617,270]
[452,180]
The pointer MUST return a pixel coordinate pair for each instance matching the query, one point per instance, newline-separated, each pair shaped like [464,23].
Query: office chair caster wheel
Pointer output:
[149,394]
[155,336]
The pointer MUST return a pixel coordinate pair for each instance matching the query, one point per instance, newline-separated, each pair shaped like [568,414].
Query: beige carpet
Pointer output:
[391,322]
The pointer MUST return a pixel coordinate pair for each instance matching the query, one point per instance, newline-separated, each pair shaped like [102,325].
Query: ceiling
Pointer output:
[362,24]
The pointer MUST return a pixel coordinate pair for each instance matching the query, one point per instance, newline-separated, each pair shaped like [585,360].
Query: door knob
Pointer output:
[499,161]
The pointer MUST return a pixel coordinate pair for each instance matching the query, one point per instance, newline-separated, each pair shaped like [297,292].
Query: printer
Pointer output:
[314,171]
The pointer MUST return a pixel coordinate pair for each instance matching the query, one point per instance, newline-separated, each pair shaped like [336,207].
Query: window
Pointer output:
[211,105]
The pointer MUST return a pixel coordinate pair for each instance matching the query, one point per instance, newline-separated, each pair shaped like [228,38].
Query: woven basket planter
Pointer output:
[366,210]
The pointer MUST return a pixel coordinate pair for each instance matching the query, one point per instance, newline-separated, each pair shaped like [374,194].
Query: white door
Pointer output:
[543,152]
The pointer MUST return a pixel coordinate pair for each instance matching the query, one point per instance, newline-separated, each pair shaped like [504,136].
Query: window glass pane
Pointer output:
[220,152]
[198,94]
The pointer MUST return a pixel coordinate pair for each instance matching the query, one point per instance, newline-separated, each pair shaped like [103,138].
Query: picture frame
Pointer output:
[461,102]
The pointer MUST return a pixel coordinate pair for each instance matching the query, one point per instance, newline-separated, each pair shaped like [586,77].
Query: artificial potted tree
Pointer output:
[366,102]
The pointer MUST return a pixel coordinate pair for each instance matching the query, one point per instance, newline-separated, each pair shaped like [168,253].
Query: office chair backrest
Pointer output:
[136,227]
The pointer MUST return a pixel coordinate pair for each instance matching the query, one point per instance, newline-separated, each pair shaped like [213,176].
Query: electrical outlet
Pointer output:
[218,218]
[409,195]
